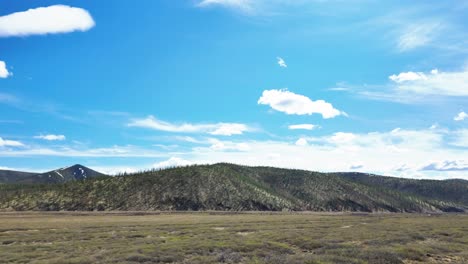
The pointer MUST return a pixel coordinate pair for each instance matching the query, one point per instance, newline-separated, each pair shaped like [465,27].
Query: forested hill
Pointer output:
[231,187]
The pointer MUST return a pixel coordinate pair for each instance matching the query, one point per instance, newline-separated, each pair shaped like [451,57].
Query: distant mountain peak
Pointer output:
[71,173]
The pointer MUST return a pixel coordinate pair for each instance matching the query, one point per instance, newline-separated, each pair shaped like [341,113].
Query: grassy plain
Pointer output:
[125,237]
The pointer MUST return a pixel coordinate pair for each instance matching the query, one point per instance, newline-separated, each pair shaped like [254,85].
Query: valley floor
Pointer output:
[119,237]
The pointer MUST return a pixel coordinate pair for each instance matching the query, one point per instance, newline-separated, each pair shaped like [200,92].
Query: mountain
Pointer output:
[231,187]
[75,172]
[9,176]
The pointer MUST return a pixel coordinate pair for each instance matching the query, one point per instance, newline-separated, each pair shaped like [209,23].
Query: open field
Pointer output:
[232,238]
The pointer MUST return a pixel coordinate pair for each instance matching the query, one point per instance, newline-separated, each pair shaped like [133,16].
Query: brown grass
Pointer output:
[232,238]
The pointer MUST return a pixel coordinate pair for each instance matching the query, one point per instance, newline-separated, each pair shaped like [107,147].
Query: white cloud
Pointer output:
[51,137]
[229,146]
[302,142]
[436,83]
[408,76]
[461,116]
[281,62]
[460,138]
[240,5]
[447,165]
[375,152]
[112,170]
[172,162]
[341,138]
[410,87]
[10,143]
[357,166]
[83,151]
[399,152]
[46,20]
[418,35]
[224,129]
[227,129]
[303,126]
[296,104]
[4,73]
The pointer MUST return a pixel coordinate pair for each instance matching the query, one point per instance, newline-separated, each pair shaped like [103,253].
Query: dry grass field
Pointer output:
[232,238]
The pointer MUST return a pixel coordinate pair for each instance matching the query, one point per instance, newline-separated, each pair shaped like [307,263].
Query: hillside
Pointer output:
[230,187]
[447,190]
[75,172]
[9,176]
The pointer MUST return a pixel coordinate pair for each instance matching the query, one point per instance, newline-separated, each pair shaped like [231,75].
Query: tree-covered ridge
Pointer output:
[230,187]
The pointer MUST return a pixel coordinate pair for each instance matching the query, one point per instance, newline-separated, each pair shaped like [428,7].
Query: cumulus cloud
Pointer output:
[296,104]
[172,162]
[10,143]
[223,129]
[408,76]
[4,73]
[302,142]
[461,116]
[281,62]
[341,138]
[303,127]
[46,20]
[51,137]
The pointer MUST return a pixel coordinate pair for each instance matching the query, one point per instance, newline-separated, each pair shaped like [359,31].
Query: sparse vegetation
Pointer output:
[126,237]
[228,187]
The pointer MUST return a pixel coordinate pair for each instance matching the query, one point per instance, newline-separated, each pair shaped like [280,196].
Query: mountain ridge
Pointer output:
[230,187]
[70,173]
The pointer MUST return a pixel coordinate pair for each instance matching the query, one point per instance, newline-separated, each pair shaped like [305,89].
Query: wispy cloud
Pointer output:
[46,20]
[281,62]
[433,83]
[4,73]
[8,98]
[460,138]
[172,162]
[222,129]
[277,7]
[416,87]
[397,152]
[51,137]
[245,6]
[10,143]
[82,151]
[418,35]
[447,165]
[303,127]
[296,104]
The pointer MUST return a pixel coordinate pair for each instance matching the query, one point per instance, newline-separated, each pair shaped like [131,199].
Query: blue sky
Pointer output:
[325,85]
